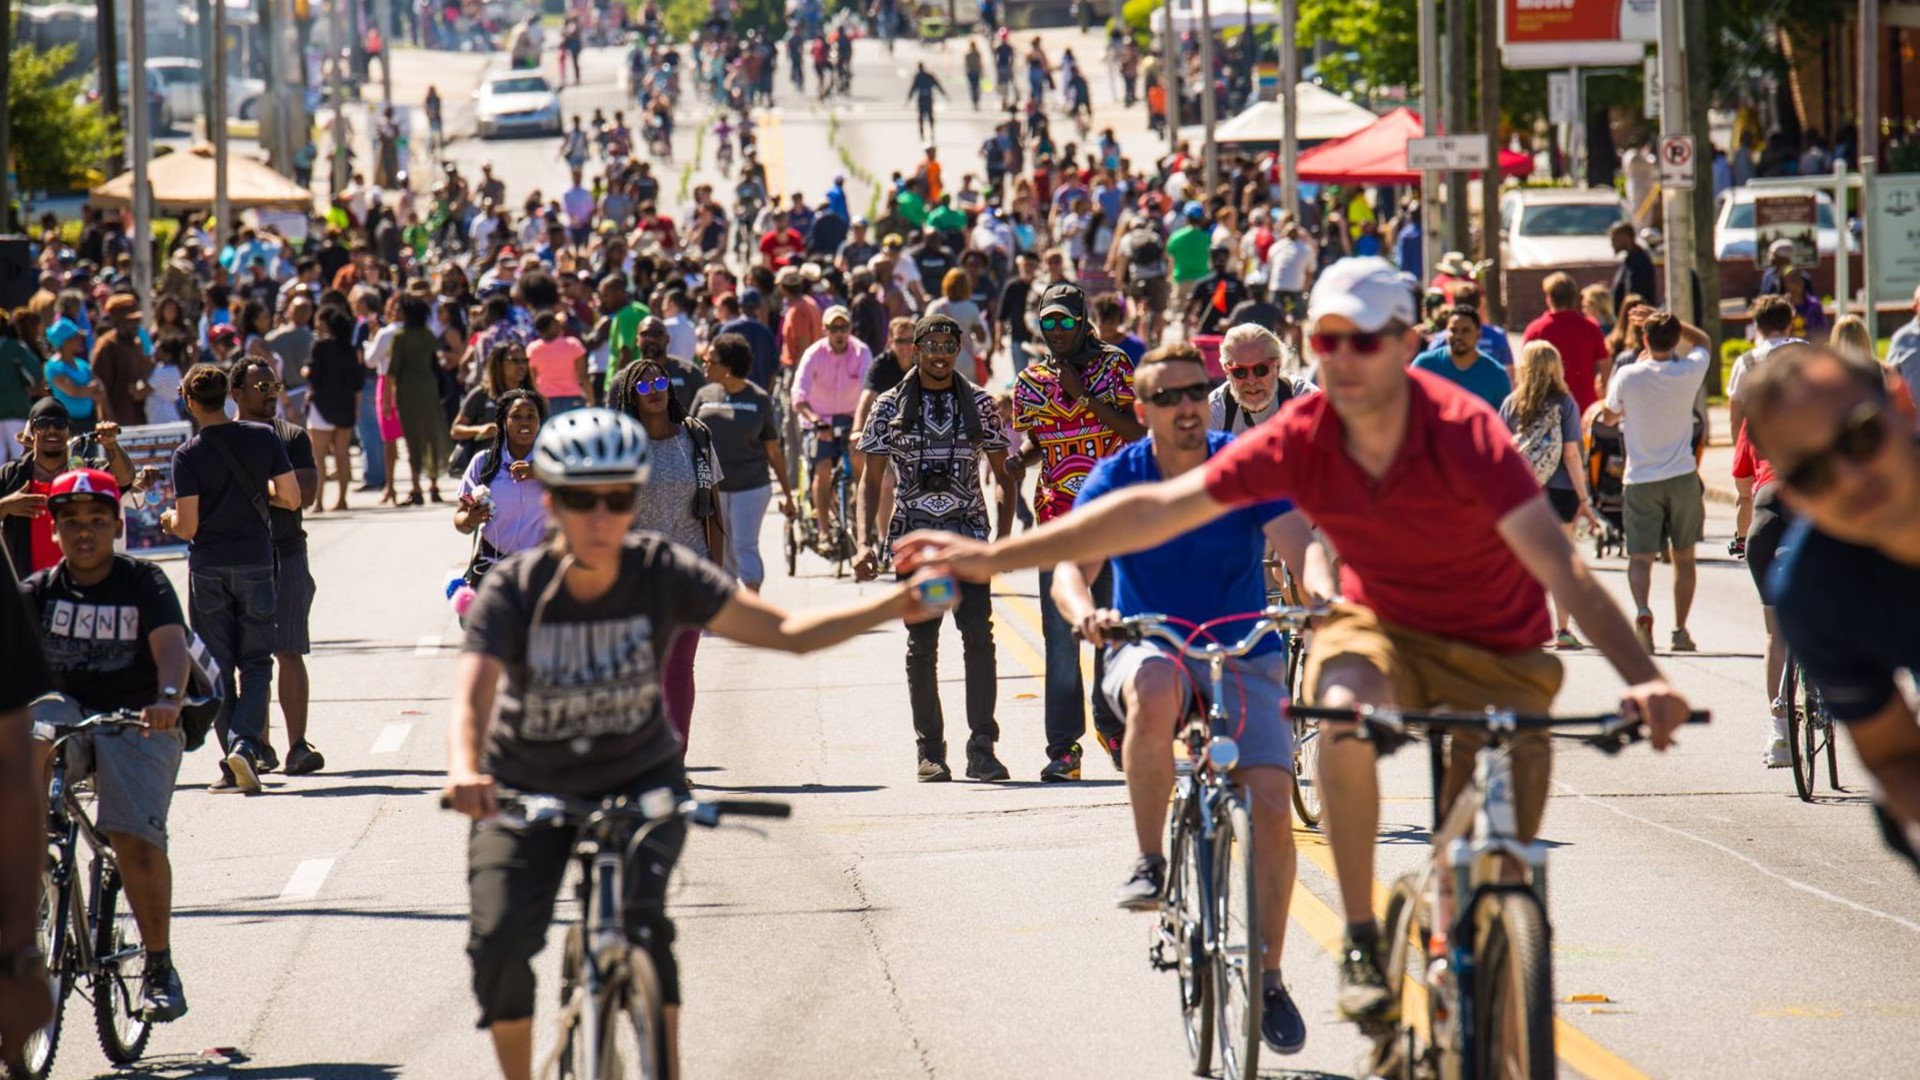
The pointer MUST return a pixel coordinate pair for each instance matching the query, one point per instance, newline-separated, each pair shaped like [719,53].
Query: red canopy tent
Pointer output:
[1377,154]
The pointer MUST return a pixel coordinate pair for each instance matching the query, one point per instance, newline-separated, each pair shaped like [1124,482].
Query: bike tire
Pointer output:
[1238,991]
[790,546]
[1396,1047]
[1821,732]
[43,1045]
[116,984]
[1184,927]
[843,545]
[1799,735]
[642,1032]
[1512,988]
[1306,772]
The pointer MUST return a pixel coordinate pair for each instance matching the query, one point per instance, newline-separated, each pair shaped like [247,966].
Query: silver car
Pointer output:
[516,103]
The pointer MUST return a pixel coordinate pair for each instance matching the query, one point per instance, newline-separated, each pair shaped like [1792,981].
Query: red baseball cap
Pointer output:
[81,484]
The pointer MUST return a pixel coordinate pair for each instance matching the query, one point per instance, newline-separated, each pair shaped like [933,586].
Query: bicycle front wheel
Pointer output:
[1800,736]
[626,1039]
[1184,931]
[1306,771]
[1237,989]
[116,983]
[1513,988]
[1818,732]
[51,937]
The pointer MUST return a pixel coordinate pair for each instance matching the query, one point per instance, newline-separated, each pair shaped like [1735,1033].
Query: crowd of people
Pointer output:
[1076,359]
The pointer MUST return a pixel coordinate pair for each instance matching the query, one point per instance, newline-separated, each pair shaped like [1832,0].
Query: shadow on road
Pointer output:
[188,1066]
[233,911]
[793,789]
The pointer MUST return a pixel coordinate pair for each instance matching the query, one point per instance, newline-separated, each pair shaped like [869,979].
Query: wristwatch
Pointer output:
[24,965]
[171,693]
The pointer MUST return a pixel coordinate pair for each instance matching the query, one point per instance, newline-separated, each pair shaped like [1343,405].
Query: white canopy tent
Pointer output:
[1323,115]
[1225,15]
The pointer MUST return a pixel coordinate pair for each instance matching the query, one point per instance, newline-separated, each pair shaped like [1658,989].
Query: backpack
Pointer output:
[1148,252]
[1541,444]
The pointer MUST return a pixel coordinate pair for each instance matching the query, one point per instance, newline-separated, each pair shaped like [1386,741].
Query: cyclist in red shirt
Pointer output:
[1452,613]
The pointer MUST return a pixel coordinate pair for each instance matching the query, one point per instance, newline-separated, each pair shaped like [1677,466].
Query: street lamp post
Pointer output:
[1289,105]
[218,122]
[1209,105]
[1867,151]
[1678,230]
[142,135]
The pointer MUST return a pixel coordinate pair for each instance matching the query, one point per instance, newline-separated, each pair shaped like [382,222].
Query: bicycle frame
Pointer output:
[67,827]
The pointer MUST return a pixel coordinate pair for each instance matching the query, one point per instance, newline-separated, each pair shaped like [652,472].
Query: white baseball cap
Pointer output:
[1367,292]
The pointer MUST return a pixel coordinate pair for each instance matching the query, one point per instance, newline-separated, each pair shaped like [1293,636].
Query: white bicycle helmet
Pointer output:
[592,446]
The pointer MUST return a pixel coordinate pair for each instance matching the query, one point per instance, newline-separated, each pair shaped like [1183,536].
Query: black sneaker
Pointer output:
[266,758]
[223,784]
[982,765]
[162,1000]
[1112,744]
[1141,891]
[303,759]
[934,771]
[1281,1024]
[1063,768]
[244,768]
[1365,996]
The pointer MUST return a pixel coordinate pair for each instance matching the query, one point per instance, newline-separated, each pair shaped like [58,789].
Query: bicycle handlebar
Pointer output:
[555,809]
[1389,728]
[1275,619]
[112,718]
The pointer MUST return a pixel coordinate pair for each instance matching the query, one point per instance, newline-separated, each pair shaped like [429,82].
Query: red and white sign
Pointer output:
[1576,33]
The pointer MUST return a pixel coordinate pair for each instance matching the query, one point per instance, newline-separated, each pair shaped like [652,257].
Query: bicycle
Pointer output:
[1307,802]
[1208,928]
[1810,730]
[97,941]
[1485,959]
[611,1021]
[838,546]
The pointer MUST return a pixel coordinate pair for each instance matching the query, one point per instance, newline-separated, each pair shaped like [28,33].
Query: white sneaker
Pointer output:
[1778,755]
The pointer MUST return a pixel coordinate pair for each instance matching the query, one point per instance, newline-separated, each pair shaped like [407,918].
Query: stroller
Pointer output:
[1606,473]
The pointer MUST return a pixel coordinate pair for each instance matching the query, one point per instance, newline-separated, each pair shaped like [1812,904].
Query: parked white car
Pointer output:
[1558,226]
[514,103]
[180,80]
[1733,223]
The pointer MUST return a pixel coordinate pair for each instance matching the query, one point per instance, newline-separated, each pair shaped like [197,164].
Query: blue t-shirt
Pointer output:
[81,373]
[1133,347]
[1485,380]
[1215,570]
[1493,342]
[1851,616]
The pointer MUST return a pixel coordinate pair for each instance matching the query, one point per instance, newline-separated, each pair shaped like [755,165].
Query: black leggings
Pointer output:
[1764,533]
[513,878]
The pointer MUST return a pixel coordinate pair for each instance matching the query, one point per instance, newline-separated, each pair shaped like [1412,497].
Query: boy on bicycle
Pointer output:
[115,638]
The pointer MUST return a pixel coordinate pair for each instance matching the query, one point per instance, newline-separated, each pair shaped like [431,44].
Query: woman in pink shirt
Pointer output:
[559,365]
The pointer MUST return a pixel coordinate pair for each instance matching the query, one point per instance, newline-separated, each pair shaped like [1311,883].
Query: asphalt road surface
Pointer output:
[1709,924]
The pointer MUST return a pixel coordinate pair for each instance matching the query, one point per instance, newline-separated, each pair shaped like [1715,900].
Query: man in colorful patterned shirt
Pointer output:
[1075,406]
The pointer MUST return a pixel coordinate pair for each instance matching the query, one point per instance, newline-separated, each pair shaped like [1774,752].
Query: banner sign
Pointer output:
[152,446]
[1896,236]
[1576,33]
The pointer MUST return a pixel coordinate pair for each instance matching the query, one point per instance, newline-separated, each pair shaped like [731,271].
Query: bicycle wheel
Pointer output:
[1820,734]
[1512,988]
[1800,738]
[636,1027]
[1395,1048]
[843,545]
[51,936]
[1237,946]
[790,545]
[1306,771]
[116,982]
[1182,929]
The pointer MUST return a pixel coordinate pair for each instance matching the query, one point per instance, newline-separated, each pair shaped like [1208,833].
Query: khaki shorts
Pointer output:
[1673,510]
[1435,673]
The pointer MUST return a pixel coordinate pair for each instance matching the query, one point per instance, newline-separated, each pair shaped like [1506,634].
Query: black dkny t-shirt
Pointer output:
[580,706]
[95,636]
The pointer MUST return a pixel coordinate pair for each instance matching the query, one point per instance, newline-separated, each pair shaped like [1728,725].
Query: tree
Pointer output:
[1377,41]
[56,143]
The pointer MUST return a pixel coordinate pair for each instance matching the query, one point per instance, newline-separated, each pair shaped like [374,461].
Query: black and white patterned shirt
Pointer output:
[937,467]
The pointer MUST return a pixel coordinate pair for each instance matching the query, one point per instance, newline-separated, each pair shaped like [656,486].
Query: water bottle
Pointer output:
[153,498]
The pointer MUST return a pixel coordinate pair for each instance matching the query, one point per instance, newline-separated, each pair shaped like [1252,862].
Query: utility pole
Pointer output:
[1707,269]
[1209,103]
[1678,205]
[107,75]
[6,123]
[337,12]
[1289,105]
[218,124]
[383,13]
[1492,290]
[1868,153]
[142,150]
[203,30]
[1170,78]
[1431,93]
[1454,63]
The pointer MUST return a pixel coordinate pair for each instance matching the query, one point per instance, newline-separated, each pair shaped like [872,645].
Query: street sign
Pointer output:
[1787,217]
[1569,33]
[1447,153]
[1560,97]
[1896,236]
[1650,88]
[1677,162]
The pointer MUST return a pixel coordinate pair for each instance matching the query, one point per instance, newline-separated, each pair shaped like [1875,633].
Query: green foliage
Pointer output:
[1138,15]
[683,17]
[57,145]
[1382,36]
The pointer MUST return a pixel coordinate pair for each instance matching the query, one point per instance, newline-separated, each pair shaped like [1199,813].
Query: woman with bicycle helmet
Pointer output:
[559,691]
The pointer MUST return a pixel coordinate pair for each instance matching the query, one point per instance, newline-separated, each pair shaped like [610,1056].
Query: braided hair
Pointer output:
[497,450]
[622,397]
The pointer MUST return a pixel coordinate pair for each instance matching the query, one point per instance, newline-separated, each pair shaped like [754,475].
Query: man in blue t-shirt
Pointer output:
[1464,359]
[1215,571]
[1846,583]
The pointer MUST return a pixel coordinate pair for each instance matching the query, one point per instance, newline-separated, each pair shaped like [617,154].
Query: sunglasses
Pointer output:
[1861,435]
[1059,322]
[266,387]
[51,423]
[653,386]
[1255,371]
[1362,341]
[1168,396]
[940,348]
[581,502]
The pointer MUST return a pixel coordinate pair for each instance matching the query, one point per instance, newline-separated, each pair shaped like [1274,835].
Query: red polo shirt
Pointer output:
[1418,546]
[1583,348]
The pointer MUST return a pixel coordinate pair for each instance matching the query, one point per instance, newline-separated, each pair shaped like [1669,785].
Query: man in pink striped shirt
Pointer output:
[826,387]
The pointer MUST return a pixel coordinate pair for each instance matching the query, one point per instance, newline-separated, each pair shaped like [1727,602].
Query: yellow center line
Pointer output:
[1322,923]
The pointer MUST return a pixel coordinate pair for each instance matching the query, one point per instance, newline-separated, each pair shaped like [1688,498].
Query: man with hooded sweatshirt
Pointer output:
[1075,406]
[935,427]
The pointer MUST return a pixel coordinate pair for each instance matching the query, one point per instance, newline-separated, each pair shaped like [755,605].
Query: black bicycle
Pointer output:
[90,940]
[1810,731]
[611,1021]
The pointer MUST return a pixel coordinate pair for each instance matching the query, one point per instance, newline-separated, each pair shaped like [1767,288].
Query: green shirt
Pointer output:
[948,219]
[913,208]
[17,368]
[624,333]
[1188,247]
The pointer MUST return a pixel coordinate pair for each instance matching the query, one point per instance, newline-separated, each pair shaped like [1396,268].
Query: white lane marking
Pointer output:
[428,645]
[1796,883]
[306,879]
[392,737]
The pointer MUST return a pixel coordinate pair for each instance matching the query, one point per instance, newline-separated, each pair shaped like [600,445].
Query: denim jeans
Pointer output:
[373,471]
[743,511]
[1067,695]
[974,617]
[232,609]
